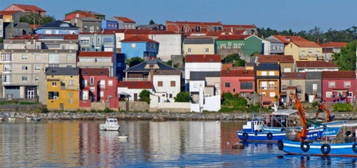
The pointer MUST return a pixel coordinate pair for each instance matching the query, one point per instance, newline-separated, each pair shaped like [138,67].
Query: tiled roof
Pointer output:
[241,26]
[138,39]
[268,66]
[71,15]
[8,12]
[95,71]
[339,75]
[315,64]
[333,45]
[29,8]
[167,72]
[193,23]
[232,37]
[203,58]
[136,84]
[62,71]
[198,40]
[143,67]
[308,44]
[237,73]
[124,19]
[275,59]
[96,54]
[288,39]
[293,75]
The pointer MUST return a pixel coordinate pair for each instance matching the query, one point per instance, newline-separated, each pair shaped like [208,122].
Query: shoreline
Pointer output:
[156,116]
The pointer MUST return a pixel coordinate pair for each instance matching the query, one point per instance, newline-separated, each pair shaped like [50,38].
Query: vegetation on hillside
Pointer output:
[234,59]
[32,18]
[346,59]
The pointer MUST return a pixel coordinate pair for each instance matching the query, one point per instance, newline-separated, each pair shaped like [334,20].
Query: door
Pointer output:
[135,97]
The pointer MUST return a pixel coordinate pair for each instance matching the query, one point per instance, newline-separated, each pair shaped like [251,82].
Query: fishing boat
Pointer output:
[11,119]
[111,124]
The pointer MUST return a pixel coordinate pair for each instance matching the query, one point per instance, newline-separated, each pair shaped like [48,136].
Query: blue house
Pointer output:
[57,27]
[139,46]
[109,25]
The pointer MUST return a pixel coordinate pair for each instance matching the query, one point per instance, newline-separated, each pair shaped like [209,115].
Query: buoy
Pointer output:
[280,157]
[123,138]
[238,146]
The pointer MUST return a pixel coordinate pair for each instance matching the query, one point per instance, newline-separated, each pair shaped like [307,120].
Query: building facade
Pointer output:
[139,46]
[339,86]
[198,46]
[315,66]
[245,45]
[105,60]
[170,44]
[238,82]
[104,42]
[286,62]
[268,82]
[57,27]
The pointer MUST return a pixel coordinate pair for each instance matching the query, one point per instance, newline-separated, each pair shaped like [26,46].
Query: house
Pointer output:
[245,45]
[98,89]
[125,23]
[339,86]
[1,27]
[313,86]
[315,66]
[268,82]
[198,46]
[330,48]
[204,88]
[238,81]
[167,84]
[131,89]
[83,14]
[157,27]
[286,62]
[139,46]
[109,25]
[57,27]
[99,41]
[293,83]
[11,25]
[62,84]
[101,59]
[170,44]
[87,24]
[26,8]
[303,50]
[201,63]
[275,45]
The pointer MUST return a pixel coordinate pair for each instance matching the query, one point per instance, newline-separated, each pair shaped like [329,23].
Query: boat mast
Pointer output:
[301,112]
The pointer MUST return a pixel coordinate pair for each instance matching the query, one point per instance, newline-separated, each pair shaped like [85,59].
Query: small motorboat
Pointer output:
[111,124]
[11,119]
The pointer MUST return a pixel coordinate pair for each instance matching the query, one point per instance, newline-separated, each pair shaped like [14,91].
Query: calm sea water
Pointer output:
[149,144]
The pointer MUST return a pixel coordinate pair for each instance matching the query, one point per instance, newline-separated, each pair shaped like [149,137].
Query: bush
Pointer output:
[44,110]
[183,97]
[145,96]
[134,61]
[315,104]
[234,100]
[108,110]
[341,107]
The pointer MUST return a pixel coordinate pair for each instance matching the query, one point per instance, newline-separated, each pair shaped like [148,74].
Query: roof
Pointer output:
[241,26]
[232,37]
[124,19]
[167,72]
[58,24]
[313,75]
[95,71]
[203,58]
[339,75]
[62,71]
[288,39]
[268,66]
[333,45]
[70,16]
[96,54]
[29,8]
[308,44]
[315,64]
[136,84]
[138,39]
[8,12]
[237,73]
[198,40]
[145,66]
[203,75]
[194,23]
[275,59]
[293,75]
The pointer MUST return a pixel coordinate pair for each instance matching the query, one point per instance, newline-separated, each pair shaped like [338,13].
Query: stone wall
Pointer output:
[133,106]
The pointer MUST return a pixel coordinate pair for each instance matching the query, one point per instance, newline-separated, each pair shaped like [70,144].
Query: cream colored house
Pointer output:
[198,46]
[304,50]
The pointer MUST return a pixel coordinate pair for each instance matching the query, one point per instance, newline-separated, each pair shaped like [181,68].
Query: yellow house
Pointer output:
[268,81]
[62,88]
[198,46]
[304,50]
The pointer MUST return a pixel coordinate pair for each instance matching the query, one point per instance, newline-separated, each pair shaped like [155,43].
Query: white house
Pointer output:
[315,66]
[132,89]
[167,84]
[170,44]
[125,23]
[1,27]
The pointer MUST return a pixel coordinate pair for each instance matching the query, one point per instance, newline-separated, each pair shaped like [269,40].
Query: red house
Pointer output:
[238,81]
[339,86]
[98,89]
[26,8]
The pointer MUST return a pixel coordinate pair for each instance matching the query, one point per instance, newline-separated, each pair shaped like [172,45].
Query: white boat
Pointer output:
[111,124]
[11,119]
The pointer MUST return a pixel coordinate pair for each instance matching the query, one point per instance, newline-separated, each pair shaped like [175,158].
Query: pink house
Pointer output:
[98,88]
[339,86]
[238,81]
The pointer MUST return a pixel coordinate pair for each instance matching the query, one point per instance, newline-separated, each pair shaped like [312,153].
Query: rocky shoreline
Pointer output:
[156,116]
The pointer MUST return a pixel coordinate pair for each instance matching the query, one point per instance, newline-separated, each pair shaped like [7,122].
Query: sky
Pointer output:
[277,14]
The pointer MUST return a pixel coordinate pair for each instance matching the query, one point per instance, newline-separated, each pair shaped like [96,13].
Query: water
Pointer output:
[149,144]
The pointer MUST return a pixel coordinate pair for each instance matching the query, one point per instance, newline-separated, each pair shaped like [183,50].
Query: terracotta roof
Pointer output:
[124,19]
[96,54]
[8,12]
[338,74]
[203,58]
[94,71]
[293,75]
[194,23]
[333,45]
[136,84]
[315,64]
[288,39]
[237,73]
[29,8]
[138,39]
[232,37]
[241,26]
[71,15]
[308,44]
[275,59]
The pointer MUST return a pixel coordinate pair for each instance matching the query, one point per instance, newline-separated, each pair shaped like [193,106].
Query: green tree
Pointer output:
[183,97]
[134,61]
[346,59]
[234,59]
[32,18]
[145,96]
[151,22]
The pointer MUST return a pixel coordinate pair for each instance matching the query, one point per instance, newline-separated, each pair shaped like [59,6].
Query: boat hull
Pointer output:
[104,127]
[319,149]
[261,136]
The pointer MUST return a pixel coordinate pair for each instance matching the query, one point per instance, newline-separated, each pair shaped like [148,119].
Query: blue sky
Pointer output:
[277,14]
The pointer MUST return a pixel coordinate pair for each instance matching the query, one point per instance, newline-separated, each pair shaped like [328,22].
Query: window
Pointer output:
[70,98]
[264,73]
[173,83]
[102,83]
[264,85]
[101,93]
[7,68]
[246,85]
[331,84]
[263,94]
[110,83]
[314,87]
[271,73]
[159,84]
[37,67]
[91,80]
[227,85]
[328,94]
[287,69]
[24,78]
[24,67]
[347,84]
[272,94]
[350,94]
[6,57]
[207,50]
[85,95]
[53,95]
[70,82]
[189,50]
[6,78]
[24,57]
[54,83]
